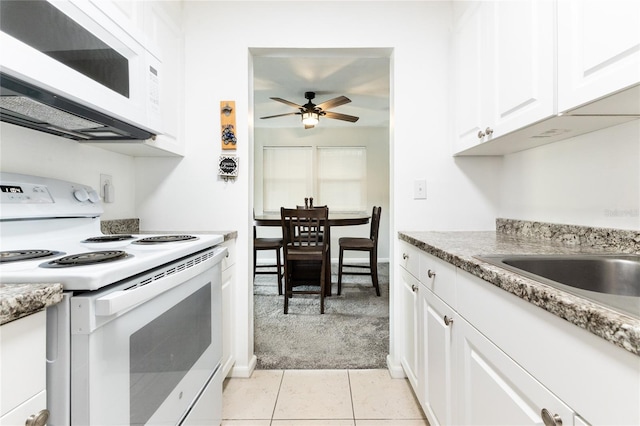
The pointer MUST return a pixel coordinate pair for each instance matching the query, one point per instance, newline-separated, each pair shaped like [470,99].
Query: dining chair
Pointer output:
[304,248]
[263,244]
[305,231]
[369,245]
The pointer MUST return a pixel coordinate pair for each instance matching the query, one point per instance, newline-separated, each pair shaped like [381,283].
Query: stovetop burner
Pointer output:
[90,258]
[165,239]
[18,255]
[108,238]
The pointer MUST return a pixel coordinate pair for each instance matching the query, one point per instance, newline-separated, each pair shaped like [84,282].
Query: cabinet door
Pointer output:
[410,356]
[472,56]
[228,280]
[504,69]
[598,49]
[438,358]
[494,390]
[523,65]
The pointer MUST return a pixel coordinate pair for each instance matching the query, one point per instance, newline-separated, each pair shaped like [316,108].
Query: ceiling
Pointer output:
[362,75]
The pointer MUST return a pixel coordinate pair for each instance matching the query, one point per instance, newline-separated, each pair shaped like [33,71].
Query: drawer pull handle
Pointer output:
[405,256]
[550,419]
[481,134]
[414,288]
[430,273]
[39,419]
[448,321]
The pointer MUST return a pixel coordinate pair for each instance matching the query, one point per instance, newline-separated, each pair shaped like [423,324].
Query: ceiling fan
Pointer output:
[311,112]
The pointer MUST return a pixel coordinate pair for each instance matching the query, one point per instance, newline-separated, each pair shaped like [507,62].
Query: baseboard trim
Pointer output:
[395,368]
[244,371]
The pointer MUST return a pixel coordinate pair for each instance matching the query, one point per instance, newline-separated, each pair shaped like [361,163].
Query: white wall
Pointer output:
[41,154]
[589,180]
[218,35]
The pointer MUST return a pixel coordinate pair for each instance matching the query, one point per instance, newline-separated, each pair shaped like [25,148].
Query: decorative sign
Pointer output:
[228,166]
[228,124]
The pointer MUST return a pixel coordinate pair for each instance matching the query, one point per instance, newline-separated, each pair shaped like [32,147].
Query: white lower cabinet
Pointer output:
[437,350]
[228,266]
[23,370]
[494,390]
[410,356]
[461,376]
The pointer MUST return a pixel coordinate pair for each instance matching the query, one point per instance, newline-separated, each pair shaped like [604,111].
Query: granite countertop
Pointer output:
[132,226]
[459,249]
[20,300]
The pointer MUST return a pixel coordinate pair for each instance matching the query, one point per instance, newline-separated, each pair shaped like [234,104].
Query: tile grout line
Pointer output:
[353,411]
[273,412]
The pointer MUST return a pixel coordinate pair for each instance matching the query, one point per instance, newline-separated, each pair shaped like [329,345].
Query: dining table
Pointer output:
[335,219]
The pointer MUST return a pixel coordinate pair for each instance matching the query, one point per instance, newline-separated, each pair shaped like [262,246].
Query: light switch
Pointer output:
[420,190]
[106,188]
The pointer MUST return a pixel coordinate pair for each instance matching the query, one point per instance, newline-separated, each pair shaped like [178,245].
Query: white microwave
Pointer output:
[72,50]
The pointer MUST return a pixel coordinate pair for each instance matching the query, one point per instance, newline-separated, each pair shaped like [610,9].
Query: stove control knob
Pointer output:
[93,196]
[81,194]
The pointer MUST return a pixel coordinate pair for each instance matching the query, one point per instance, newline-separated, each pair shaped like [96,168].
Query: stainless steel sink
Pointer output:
[610,279]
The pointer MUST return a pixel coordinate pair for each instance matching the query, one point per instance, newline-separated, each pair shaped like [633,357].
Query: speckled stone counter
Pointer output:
[228,235]
[20,300]
[459,249]
[132,226]
[120,226]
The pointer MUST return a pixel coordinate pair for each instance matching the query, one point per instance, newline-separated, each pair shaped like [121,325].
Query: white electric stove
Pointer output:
[137,338]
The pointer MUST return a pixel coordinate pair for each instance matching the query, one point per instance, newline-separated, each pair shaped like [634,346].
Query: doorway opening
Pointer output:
[363,76]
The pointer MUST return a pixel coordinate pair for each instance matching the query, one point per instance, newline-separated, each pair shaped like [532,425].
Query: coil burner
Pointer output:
[90,258]
[108,238]
[18,255]
[161,239]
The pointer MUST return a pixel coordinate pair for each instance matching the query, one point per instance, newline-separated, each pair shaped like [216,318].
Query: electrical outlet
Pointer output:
[106,188]
[420,190]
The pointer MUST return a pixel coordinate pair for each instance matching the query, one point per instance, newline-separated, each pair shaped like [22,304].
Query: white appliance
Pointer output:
[137,339]
[65,56]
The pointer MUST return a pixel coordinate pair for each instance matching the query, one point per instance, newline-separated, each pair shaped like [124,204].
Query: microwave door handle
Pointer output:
[121,300]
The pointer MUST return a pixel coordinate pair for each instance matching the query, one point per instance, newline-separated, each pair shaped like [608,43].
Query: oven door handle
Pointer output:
[122,300]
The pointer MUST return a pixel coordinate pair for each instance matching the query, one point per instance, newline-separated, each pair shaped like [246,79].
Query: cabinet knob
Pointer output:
[481,134]
[39,419]
[550,419]
[488,131]
[414,288]
[430,273]
[405,256]
[448,321]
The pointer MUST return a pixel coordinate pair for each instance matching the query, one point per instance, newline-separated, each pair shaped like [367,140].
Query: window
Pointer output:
[335,176]
[288,177]
[342,178]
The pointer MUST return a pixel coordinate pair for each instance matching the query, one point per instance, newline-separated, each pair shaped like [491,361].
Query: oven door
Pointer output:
[147,362]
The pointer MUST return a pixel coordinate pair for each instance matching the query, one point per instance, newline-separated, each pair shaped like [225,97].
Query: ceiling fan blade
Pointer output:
[284,101]
[332,103]
[281,115]
[343,117]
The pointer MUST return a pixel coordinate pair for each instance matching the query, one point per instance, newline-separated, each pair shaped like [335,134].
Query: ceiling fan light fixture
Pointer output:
[310,119]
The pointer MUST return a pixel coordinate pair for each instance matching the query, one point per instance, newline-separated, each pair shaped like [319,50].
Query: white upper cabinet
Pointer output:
[504,68]
[528,73]
[598,53]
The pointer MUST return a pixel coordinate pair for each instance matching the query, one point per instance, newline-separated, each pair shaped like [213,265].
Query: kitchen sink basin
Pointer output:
[615,277]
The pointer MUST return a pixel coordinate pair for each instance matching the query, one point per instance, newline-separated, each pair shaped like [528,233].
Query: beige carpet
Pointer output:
[353,333]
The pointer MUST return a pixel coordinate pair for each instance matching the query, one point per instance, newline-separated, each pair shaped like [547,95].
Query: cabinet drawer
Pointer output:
[23,355]
[409,258]
[20,414]
[439,277]
[230,259]
[559,354]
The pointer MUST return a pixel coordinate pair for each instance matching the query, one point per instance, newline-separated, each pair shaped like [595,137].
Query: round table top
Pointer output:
[335,219]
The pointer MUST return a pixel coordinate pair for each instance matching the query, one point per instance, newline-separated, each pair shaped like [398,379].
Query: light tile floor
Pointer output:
[319,398]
